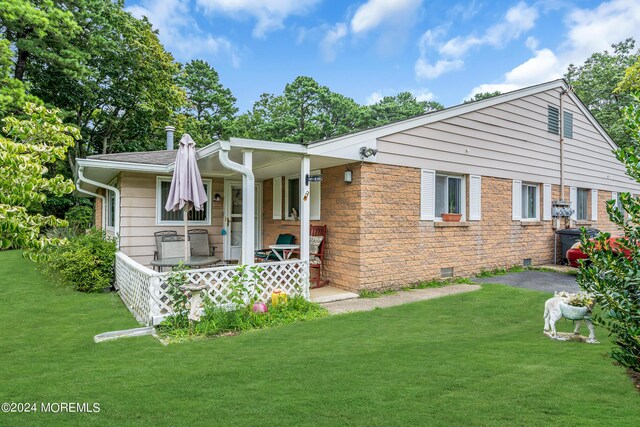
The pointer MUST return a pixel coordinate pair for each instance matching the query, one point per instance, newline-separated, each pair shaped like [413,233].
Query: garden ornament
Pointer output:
[195,302]
[553,313]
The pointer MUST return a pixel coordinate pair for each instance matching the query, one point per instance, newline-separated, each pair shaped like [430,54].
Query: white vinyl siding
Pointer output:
[277,197]
[510,141]
[427,194]
[475,198]
[530,202]
[164,217]
[516,200]
[546,203]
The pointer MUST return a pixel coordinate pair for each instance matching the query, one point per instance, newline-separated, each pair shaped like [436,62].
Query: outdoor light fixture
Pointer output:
[366,152]
[217,197]
[348,176]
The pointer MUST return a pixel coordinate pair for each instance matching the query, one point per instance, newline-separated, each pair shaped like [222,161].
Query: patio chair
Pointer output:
[173,246]
[200,243]
[317,240]
[158,235]
[268,255]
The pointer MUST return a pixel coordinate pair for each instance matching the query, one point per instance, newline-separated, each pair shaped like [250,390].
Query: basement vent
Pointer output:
[446,272]
[526,262]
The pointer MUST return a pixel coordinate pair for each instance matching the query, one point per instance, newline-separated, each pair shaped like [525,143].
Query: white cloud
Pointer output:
[375,12]
[532,43]
[270,14]
[420,94]
[517,20]
[331,39]
[425,70]
[179,32]
[589,31]
[595,30]
[423,95]
[374,98]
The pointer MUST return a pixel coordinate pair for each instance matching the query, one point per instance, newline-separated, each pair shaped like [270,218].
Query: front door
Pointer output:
[232,224]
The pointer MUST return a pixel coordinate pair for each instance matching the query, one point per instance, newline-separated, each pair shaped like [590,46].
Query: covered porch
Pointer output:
[261,181]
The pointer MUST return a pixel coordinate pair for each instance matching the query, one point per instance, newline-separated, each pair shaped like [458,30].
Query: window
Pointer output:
[530,201]
[582,205]
[553,124]
[292,197]
[567,126]
[449,195]
[111,209]
[164,217]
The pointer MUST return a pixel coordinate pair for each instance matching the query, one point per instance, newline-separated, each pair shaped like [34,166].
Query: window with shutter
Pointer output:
[427,194]
[277,197]
[594,205]
[546,203]
[475,197]
[516,200]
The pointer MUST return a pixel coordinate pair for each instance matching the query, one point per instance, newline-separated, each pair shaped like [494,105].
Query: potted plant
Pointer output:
[451,217]
[576,307]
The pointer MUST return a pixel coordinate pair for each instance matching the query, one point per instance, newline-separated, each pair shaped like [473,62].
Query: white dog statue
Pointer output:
[552,314]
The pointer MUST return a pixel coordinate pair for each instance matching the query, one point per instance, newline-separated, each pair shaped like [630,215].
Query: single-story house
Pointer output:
[502,163]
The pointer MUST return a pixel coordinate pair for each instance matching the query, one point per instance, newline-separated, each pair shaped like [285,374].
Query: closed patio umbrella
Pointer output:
[187,190]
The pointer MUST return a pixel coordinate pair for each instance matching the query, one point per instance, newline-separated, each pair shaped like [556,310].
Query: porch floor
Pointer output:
[330,294]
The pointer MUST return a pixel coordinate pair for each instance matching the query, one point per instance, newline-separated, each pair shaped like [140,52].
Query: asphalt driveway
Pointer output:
[538,280]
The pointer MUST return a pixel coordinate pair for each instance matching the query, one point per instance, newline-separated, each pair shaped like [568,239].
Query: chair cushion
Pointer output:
[314,247]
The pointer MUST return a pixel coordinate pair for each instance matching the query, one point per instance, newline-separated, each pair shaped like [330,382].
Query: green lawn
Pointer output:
[473,359]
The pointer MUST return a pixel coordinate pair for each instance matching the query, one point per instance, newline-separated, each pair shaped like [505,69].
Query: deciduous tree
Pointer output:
[26,148]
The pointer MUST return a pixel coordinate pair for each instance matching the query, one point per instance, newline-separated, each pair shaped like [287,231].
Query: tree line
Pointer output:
[109,75]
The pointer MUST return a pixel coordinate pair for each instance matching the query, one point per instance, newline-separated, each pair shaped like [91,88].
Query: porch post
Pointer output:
[248,211]
[305,169]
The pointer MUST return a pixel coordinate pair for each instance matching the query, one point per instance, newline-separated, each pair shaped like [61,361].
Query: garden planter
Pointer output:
[572,312]
[451,217]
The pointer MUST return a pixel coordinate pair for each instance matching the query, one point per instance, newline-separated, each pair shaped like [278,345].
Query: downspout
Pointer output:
[116,192]
[101,197]
[561,119]
[225,147]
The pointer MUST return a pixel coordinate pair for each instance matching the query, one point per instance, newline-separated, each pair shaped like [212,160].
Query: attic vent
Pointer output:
[567,126]
[446,272]
[553,124]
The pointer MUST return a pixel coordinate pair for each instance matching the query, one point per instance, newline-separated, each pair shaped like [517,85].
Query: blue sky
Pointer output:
[439,50]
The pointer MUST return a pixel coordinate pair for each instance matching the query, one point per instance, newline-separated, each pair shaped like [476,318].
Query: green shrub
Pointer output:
[217,320]
[85,263]
[80,218]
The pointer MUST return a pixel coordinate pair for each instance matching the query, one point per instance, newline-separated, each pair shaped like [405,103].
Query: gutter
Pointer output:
[104,202]
[249,183]
[116,192]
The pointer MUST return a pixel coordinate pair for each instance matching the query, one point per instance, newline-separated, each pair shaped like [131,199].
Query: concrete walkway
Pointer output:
[401,297]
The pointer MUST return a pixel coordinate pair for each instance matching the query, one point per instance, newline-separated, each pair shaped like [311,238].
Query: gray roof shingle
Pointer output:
[163,157]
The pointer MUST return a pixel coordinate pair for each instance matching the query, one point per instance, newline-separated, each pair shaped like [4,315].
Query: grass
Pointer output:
[478,358]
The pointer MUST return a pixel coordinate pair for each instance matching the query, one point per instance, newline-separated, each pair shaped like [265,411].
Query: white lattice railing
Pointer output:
[144,291]
[134,283]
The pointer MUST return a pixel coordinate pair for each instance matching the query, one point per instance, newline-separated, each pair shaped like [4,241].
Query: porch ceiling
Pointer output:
[266,164]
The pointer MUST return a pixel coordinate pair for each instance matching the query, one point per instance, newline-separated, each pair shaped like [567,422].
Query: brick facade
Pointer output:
[376,238]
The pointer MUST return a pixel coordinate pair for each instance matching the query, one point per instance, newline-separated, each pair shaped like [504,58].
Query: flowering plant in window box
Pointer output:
[451,217]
